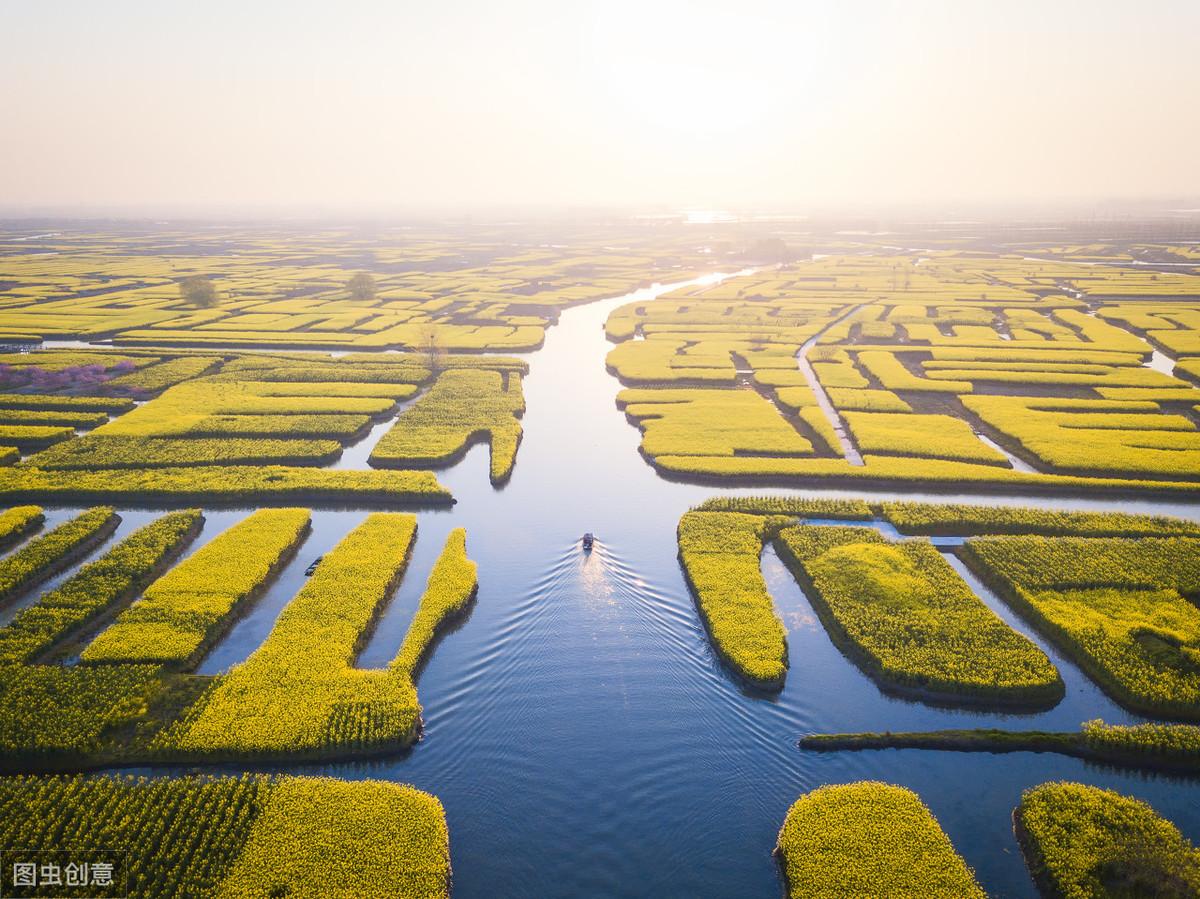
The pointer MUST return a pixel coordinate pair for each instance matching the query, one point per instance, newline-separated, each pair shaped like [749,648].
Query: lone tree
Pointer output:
[361,287]
[431,351]
[198,290]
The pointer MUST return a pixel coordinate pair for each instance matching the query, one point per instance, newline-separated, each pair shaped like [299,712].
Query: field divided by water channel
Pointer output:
[581,730]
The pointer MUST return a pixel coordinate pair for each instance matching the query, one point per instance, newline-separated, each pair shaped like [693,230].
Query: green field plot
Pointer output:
[43,556]
[929,518]
[1155,747]
[869,839]
[236,836]
[904,614]
[930,436]
[1082,841]
[1106,437]
[112,451]
[720,553]
[1124,609]
[223,485]
[462,406]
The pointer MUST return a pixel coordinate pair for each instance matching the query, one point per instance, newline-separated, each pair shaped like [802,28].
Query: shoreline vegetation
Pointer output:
[849,840]
[1159,747]
[1081,841]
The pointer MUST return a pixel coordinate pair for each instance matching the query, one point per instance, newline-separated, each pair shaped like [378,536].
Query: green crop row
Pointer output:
[31,437]
[720,553]
[1115,606]
[18,521]
[183,612]
[349,371]
[449,590]
[914,625]
[860,400]
[1082,842]
[102,450]
[237,837]
[959,518]
[1171,747]
[1174,741]
[42,557]
[64,403]
[333,426]
[869,839]
[928,518]
[897,471]
[156,378]
[462,406]
[52,417]
[793,506]
[222,485]
[928,436]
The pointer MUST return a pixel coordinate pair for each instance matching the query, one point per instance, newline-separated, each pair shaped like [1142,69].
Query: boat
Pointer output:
[588,539]
[308,572]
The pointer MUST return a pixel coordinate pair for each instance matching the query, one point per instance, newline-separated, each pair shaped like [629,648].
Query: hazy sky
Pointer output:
[545,102]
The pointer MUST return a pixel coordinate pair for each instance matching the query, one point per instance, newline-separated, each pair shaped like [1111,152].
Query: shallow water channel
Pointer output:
[578,729]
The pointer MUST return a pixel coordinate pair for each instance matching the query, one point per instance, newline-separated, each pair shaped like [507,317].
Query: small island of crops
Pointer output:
[1081,842]
[869,839]
[234,836]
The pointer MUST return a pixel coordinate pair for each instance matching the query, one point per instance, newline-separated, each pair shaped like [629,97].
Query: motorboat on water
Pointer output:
[588,539]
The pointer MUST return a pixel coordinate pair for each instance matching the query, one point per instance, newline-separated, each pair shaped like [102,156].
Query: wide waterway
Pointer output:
[579,730]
